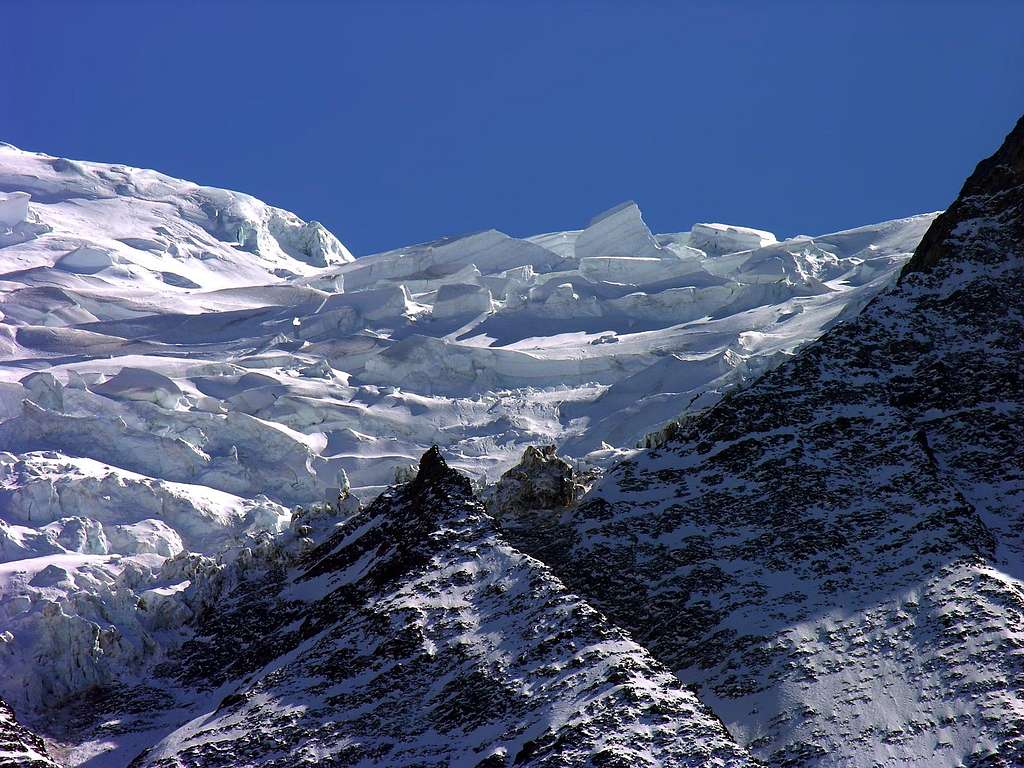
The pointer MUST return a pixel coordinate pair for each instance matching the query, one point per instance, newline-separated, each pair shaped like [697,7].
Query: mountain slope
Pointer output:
[20,748]
[833,555]
[407,634]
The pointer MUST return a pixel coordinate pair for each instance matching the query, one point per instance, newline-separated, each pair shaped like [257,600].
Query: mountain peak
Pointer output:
[434,469]
[432,464]
[992,200]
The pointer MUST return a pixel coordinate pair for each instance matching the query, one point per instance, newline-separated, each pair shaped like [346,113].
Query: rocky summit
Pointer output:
[409,633]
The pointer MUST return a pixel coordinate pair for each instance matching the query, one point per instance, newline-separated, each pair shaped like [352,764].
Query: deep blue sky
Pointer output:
[395,123]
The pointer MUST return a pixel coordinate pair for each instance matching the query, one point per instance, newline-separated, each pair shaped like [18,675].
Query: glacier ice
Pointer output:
[719,239]
[619,231]
[13,208]
[454,299]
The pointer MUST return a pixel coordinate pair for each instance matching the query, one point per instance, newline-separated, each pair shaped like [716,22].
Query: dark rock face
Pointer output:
[993,199]
[19,747]
[834,557]
[413,635]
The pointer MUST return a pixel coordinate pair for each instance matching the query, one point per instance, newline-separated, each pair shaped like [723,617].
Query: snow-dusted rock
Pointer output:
[19,747]
[542,480]
[436,644]
[832,555]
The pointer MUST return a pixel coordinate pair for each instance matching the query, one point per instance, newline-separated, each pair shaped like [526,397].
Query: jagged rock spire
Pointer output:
[432,464]
[434,469]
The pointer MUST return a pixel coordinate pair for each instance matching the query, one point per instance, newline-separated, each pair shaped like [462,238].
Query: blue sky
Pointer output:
[395,123]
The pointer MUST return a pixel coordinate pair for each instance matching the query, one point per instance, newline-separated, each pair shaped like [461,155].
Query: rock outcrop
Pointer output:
[542,480]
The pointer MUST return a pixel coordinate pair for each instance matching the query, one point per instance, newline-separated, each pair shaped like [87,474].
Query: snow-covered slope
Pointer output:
[833,556]
[181,366]
[410,634]
[142,231]
[19,747]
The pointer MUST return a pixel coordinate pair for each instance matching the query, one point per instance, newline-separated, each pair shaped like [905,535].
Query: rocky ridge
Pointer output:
[19,747]
[406,633]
